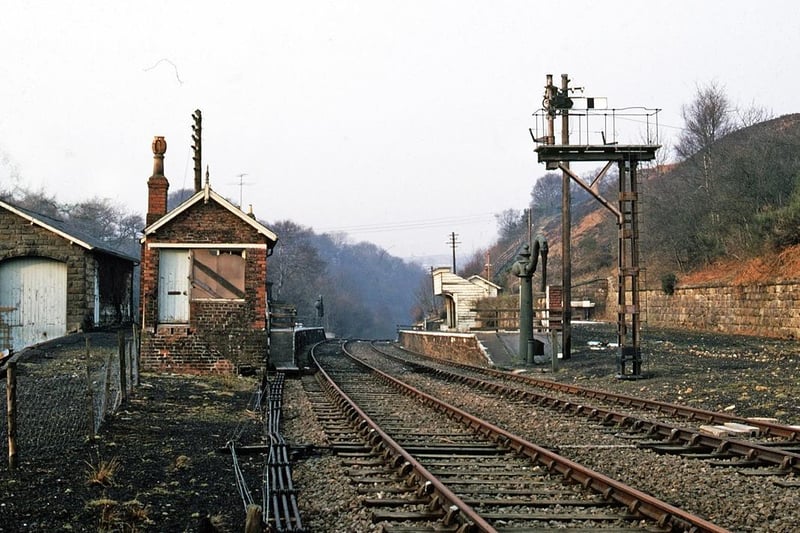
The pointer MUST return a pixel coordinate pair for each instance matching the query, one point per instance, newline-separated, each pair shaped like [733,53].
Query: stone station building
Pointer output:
[56,279]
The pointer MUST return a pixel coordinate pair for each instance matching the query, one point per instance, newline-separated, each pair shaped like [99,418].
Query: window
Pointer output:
[218,274]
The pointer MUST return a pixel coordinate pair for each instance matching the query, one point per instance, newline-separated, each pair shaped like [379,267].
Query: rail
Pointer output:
[444,497]
[784,459]
[664,514]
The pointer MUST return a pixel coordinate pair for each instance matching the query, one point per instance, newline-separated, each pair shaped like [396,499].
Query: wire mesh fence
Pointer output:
[64,391]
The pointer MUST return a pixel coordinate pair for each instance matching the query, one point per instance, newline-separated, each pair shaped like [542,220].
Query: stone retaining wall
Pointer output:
[768,310]
[459,347]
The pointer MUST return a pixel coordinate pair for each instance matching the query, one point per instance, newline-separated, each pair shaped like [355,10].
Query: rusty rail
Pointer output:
[444,497]
[637,502]
[784,459]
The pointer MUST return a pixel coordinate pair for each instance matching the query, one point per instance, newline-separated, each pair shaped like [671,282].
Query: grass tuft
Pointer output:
[182,462]
[103,473]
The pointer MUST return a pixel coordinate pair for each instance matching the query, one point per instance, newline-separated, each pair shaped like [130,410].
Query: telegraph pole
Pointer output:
[197,147]
[558,101]
[453,243]
[529,216]
[566,233]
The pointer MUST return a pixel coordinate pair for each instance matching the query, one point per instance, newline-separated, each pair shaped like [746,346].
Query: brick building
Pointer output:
[55,279]
[204,281]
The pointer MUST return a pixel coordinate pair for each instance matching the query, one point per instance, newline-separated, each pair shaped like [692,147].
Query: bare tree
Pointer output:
[546,195]
[475,264]
[9,174]
[295,268]
[425,303]
[509,224]
[754,114]
[707,118]
[177,197]
[96,216]
[38,201]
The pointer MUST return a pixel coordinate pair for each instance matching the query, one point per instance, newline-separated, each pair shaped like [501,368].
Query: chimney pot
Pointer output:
[157,185]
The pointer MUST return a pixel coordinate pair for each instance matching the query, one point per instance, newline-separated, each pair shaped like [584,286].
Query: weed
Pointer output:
[103,474]
[136,513]
[109,513]
[120,517]
[181,462]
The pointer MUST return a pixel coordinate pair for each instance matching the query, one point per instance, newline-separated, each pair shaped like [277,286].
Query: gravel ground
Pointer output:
[729,497]
[746,376]
[169,476]
[327,500]
[742,375]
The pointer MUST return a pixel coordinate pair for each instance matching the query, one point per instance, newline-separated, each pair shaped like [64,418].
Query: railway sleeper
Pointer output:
[560,517]
[385,471]
[349,447]
[393,502]
[384,489]
[397,516]
[764,472]
[569,500]
[672,449]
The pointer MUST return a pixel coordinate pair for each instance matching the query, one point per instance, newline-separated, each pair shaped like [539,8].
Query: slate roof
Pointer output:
[205,195]
[67,231]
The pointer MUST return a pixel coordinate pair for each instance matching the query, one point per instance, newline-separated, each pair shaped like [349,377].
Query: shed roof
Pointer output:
[480,279]
[204,195]
[67,231]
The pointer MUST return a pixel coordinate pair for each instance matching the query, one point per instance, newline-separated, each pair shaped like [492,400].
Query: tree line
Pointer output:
[101,218]
[366,292]
[731,190]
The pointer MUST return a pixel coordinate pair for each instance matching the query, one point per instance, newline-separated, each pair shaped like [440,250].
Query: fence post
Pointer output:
[106,388]
[11,413]
[123,372]
[135,355]
[89,395]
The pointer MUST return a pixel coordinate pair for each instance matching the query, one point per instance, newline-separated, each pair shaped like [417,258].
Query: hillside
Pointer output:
[738,223]
[771,266]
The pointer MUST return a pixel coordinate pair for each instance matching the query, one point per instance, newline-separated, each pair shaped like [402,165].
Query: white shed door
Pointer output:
[174,267]
[33,301]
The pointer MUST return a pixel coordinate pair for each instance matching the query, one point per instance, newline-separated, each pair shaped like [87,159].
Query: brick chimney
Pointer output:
[157,185]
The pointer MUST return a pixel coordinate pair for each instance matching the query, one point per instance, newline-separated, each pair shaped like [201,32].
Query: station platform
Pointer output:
[502,348]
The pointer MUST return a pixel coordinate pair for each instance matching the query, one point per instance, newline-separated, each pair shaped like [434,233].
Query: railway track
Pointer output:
[425,465]
[766,427]
[719,437]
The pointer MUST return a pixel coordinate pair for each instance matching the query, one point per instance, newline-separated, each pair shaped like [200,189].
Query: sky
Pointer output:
[395,122]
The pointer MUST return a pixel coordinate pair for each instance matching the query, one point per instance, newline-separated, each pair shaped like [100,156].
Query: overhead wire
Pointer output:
[416,224]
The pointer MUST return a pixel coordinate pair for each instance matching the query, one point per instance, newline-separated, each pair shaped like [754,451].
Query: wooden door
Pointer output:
[174,267]
[33,301]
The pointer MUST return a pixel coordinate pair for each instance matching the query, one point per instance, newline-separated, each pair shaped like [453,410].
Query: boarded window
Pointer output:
[218,274]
